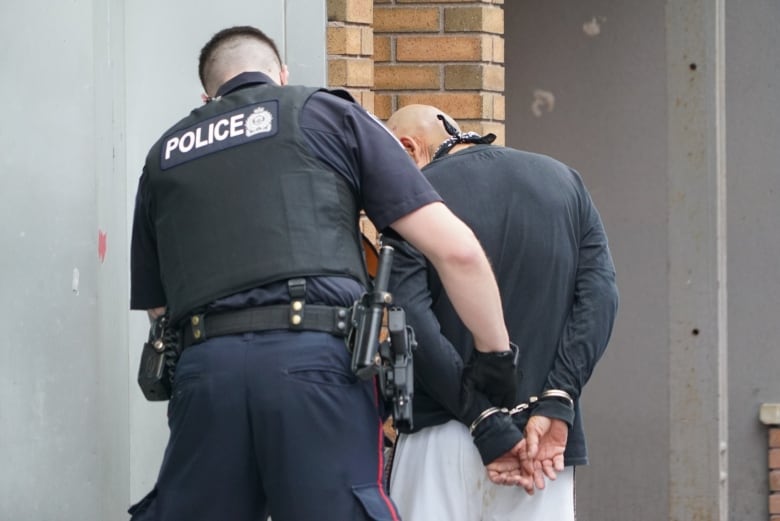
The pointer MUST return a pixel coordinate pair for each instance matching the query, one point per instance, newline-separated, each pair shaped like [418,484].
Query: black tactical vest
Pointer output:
[239,201]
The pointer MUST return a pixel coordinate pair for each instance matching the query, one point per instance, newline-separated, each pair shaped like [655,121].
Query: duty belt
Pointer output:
[295,316]
[326,319]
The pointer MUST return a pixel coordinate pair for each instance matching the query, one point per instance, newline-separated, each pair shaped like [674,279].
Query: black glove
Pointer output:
[494,374]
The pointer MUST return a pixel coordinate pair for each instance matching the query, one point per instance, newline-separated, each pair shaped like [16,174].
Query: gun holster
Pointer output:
[397,377]
[158,360]
[389,359]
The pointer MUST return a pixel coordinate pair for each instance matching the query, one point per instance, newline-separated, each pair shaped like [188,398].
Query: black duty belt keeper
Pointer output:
[325,319]
[297,290]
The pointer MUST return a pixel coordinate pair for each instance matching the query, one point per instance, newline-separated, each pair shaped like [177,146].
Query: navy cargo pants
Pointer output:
[270,423]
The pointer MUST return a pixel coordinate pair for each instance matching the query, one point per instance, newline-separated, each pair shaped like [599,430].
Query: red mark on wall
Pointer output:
[102,245]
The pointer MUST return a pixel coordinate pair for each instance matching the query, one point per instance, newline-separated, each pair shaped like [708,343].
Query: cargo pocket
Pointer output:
[143,506]
[376,502]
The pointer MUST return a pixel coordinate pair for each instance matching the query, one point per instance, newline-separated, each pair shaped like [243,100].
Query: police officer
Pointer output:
[246,234]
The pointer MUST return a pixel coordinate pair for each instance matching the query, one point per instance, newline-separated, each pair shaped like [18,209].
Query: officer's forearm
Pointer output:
[472,289]
[464,270]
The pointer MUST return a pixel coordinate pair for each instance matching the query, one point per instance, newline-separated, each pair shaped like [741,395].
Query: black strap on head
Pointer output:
[457,138]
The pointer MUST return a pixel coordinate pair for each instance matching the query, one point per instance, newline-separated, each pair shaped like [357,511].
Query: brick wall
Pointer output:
[769,415]
[350,38]
[351,47]
[447,53]
[774,473]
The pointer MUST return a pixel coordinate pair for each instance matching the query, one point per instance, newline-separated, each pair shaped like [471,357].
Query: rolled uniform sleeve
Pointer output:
[386,166]
[351,141]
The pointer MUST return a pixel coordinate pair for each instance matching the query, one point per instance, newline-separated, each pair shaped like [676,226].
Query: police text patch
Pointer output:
[220,132]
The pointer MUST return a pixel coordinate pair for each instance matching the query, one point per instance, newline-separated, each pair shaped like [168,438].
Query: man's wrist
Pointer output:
[511,350]
[557,394]
[484,415]
[552,403]
[495,435]
[555,409]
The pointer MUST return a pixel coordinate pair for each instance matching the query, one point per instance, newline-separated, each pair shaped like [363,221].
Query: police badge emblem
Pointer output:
[259,121]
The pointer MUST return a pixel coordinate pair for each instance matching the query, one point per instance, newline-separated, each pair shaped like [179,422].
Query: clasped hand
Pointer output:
[537,456]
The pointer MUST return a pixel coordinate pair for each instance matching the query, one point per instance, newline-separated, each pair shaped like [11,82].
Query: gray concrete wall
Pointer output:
[606,65]
[753,154]
[50,438]
[89,87]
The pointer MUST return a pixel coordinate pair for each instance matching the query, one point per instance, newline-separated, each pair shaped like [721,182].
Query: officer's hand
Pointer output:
[493,374]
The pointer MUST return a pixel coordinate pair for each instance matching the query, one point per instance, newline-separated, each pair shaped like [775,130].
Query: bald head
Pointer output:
[420,130]
[235,50]
[420,121]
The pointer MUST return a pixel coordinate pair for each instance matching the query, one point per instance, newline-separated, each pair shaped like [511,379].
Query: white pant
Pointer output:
[438,475]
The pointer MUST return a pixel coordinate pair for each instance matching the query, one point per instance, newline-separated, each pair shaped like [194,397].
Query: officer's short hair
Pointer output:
[226,35]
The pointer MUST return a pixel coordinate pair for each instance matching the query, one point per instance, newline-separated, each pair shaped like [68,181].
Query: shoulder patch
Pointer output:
[230,129]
